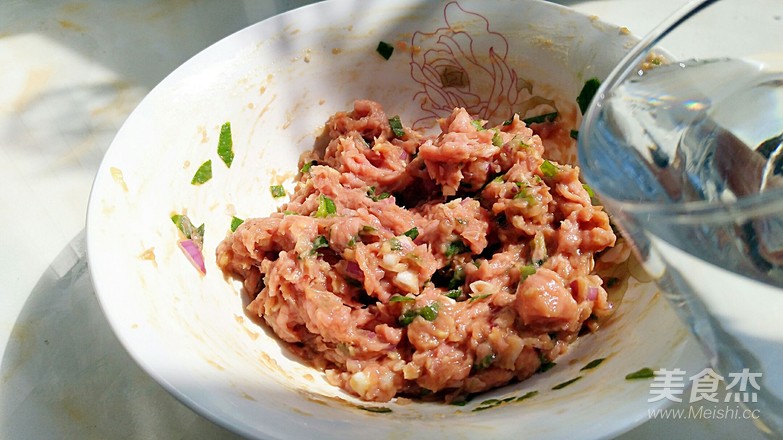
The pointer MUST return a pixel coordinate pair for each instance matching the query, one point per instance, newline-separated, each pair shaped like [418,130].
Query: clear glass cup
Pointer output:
[683,144]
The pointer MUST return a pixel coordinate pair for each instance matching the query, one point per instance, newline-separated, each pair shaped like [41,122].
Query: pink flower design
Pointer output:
[463,64]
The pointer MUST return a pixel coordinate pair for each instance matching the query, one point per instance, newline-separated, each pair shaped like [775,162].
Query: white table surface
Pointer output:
[70,73]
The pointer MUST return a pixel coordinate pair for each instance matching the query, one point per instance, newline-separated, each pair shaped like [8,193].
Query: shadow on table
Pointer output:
[65,375]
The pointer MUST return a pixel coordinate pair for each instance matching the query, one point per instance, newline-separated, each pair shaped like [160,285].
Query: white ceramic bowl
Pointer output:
[277,82]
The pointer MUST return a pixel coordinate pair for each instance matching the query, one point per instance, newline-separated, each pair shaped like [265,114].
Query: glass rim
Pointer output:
[763,203]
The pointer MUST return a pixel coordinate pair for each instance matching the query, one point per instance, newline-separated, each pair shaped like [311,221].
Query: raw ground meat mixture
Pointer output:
[417,265]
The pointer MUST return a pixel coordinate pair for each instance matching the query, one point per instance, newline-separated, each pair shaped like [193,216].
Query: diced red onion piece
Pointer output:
[404,155]
[353,270]
[193,252]
[592,293]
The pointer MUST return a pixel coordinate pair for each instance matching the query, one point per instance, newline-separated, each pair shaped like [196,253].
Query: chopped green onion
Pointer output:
[589,190]
[306,167]
[396,127]
[185,226]
[326,207]
[455,247]
[429,312]
[560,386]
[479,297]
[478,125]
[400,298]
[412,233]
[371,194]
[319,243]
[407,317]
[289,212]
[497,139]
[527,395]
[203,174]
[277,191]
[522,194]
[546,117]
[458,278]
[527,270]
[453,293]
[546,364]
[549,169]
[395,244]
[485,362]
[489,403]
[385,49]
[225,147]
[592,364]
[588,92]
[574,134]
[235,222]
[644,373]
[375,409]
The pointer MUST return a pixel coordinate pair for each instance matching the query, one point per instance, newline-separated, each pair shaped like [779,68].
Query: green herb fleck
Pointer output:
[478,125]
[289,212]
[326,207]
[546,117]
[455,247]
[479,297]
[412,233]
[592,364]
[560,386]
[527,395]
[396,127]
[235,222]
[225,147]
[548,169]
[385,49]
[400,298]
[611,282]
[497,139]
[277,191]
[306,167]
[526,270]
[644,373]
[203,174]
[375,409]
[574,134]
[587,93]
